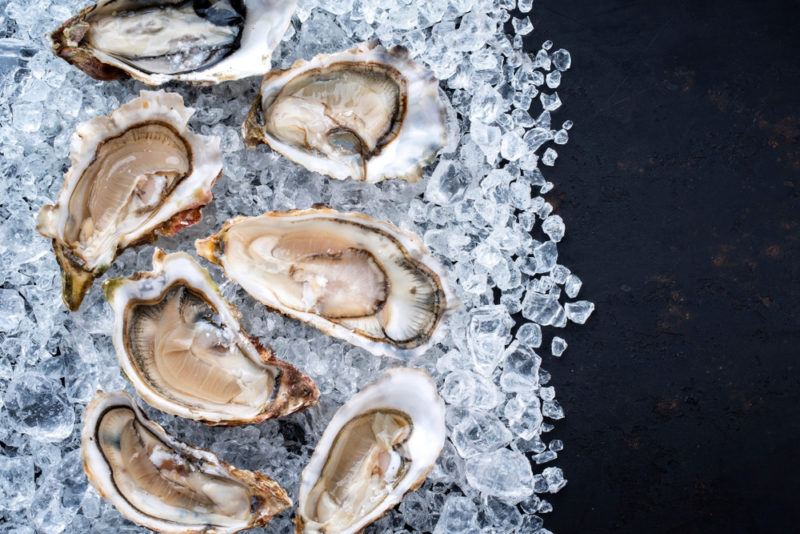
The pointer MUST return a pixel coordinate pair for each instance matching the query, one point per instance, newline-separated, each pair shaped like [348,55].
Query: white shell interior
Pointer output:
[260,274]
[100,474]
[265,24]
[421,135]
[193,191]
[169,270]
[410,391]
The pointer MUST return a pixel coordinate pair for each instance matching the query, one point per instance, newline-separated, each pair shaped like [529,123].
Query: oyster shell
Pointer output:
[160,483]
[135,173]
[156,41]
[351,276]
[183,349]
[367,113]
[379,446]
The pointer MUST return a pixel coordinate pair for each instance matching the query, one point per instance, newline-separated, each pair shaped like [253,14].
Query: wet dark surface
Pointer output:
[680,188]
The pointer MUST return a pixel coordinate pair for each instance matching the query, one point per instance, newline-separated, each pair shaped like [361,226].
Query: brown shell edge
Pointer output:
[66,44]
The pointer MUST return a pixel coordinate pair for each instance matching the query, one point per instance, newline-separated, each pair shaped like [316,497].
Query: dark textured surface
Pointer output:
[680,188]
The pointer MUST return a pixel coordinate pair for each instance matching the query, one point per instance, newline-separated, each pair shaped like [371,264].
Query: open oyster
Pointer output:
[367,113]
[165,485]
[156,41]
[135,173]
[379,446]
[355,278]
[183,349]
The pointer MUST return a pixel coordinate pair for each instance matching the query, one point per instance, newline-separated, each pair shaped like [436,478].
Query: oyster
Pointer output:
[135,173]
[367,113]
[379,446]
[165,485]
[156,41]
[184,351]
[351,276]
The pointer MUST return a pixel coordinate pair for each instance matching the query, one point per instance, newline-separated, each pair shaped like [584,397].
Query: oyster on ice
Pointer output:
[183,349]
[160,483]
[379,446]
[353,277]
[367,113]
[156,41]
[135,173]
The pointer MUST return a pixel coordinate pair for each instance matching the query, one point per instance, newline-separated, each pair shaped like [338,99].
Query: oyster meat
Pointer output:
[135,173]
[183,349]
[165,485]
[379,446]
[367,113]
[156,41]
[351,276]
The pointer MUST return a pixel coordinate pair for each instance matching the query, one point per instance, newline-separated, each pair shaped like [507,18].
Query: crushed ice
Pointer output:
[480,209]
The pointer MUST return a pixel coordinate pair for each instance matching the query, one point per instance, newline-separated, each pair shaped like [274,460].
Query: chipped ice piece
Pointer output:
[547,393]
[524,416]
[530,335]
[550,101]
[579,311]
[542,309]
[544,120]
[525,5]
[556,445]
[447,183]
[522,26]
[479,433]
[558,346]
[542,61]
[503,473]
[16,482]
[572,286]
[561,137]
[522,118]
[536,137]
[544,508]
[459,515]
[488,333]
[487,138]
[552,409]
[37,405]
[546,256]
[466,389]
[549,157]
[512,147]
[567,125]
[555,479]
[553,79]
[12,310]
[553,226]
[547,45]
[487,104]
[544,457]
[560,274]
[521,369]
[561,59]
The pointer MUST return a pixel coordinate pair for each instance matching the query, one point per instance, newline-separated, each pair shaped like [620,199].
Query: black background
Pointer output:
[680,188]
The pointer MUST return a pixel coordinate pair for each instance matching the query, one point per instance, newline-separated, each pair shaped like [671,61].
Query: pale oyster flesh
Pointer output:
[169,37]
[130,177]
[379,446]
[138,172]
[157,41]
[346,112]
[163,484]
[367,113]
[366,463]
[354,277]
[182,347]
